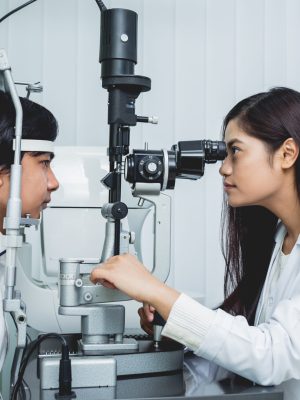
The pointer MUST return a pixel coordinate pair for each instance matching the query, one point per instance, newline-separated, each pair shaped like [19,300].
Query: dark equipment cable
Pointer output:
[18,384]
[16,9]
[101,5]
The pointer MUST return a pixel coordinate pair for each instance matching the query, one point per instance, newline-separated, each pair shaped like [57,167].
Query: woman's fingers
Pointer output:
[144,322]
[148,312]
[106,284]
[99,275]
[127,274]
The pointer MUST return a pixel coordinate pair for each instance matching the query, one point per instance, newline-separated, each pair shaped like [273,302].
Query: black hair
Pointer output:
[248,232]
[38,123]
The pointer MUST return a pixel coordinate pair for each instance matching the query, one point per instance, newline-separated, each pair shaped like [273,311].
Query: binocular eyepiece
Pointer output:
[186,160]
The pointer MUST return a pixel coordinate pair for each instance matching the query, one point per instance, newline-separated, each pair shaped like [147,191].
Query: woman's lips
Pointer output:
[228,186]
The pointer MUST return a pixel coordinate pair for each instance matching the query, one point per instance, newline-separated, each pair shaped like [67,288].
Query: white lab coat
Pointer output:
[268,353]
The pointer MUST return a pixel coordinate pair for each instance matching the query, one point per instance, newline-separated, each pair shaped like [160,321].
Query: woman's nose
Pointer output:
[226,169]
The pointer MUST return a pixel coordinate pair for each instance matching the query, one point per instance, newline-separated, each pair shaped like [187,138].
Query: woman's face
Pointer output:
[252,176]
[38,182]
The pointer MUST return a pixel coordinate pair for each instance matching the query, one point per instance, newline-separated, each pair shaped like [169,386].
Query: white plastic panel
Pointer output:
[72,233]
[79,171]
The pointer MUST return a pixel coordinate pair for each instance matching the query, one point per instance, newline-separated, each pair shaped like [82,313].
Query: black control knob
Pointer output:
[150,167]
[116,210]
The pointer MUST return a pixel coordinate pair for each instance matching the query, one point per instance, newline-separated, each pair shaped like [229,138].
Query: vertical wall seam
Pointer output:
[205,90]
[142,39]
[264,42]
[286,44]
[235,49]
[43,51]
[76,105]
[8,29]
[174,47]
[174,133]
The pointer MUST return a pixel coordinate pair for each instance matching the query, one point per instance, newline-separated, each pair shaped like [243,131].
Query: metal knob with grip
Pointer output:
[158,324]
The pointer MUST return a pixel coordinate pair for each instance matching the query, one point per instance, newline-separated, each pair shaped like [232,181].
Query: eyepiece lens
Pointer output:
[214,150]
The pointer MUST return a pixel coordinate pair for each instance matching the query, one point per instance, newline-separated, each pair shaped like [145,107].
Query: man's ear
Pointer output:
[290,153]
[1,179]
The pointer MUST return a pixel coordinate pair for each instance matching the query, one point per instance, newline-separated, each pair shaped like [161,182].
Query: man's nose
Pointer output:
[53,183]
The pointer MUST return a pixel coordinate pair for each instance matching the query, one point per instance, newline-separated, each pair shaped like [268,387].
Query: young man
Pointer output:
[38,180]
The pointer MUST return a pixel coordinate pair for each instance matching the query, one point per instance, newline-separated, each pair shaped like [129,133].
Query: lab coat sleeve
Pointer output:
[267,354]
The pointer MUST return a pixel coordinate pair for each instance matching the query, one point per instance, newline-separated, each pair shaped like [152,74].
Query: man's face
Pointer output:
[38,182]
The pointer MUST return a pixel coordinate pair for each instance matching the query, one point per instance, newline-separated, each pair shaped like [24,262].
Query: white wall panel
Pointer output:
[292,44]
[25,29]
[249,40]
[60,61]
[202,57]
[91,115]
[4,8]
[220,92]
[190,124]
[158,64]
[275,43]
[220,62]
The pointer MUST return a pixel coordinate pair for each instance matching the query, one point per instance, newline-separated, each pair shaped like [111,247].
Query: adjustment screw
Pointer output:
[88,296]
[124,38]
[78,282]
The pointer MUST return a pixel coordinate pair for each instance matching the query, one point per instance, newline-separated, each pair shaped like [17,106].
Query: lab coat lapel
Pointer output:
[289,278]
[279,236]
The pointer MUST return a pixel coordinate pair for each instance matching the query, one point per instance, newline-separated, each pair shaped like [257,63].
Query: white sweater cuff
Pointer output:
[189,322]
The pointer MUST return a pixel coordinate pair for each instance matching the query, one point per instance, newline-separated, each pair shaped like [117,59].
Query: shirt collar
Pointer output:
[281,232]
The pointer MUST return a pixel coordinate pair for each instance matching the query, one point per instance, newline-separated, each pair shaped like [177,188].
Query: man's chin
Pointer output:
[34,215]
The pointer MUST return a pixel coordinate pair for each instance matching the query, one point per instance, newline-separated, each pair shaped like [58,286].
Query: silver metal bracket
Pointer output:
[4,64]
[162,226]
[76,288]
[15,308]
[102,328]
[127,346]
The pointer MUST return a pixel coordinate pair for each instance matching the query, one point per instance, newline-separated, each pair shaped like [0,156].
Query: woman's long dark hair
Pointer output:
[248,232]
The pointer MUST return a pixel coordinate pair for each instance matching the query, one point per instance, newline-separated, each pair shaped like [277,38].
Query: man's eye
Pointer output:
[46,163]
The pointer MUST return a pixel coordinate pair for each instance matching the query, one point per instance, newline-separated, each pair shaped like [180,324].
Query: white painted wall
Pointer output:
[202,56]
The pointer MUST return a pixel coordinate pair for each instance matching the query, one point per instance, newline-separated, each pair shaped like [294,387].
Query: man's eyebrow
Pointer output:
[47,153]
[234,140]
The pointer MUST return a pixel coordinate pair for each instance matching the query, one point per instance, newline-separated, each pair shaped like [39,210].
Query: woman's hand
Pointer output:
[126,273]
[146,314]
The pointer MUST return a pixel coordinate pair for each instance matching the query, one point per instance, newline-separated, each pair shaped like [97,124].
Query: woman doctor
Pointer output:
[256,331]
[38,180]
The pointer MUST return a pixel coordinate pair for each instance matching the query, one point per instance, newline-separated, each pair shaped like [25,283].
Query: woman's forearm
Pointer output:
[163,299]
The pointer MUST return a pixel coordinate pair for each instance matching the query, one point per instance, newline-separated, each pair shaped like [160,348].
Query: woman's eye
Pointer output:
[234,150]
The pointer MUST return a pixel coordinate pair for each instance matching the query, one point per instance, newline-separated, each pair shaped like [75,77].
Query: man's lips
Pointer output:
[45,203]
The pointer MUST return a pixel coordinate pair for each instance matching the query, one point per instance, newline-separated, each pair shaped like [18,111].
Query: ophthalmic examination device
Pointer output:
[95,357]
